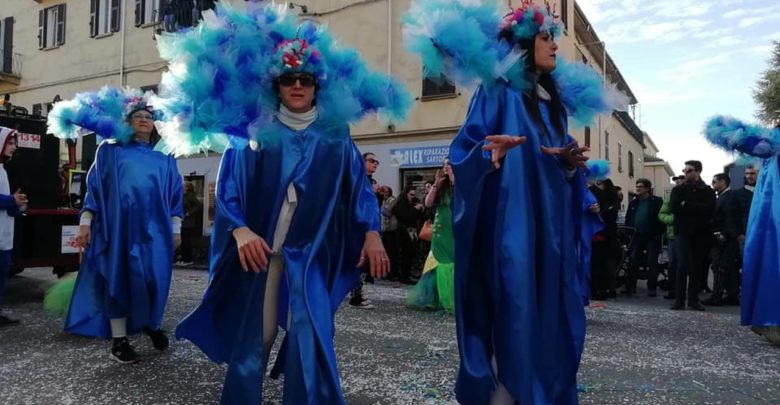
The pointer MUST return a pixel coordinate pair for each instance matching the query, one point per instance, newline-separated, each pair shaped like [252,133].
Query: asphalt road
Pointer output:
[637,352]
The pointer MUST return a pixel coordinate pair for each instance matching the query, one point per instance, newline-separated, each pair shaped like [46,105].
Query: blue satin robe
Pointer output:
[132,191]
[761,258]
[336,207]
[520,264]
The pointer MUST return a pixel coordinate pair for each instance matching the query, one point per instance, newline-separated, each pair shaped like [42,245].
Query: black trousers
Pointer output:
[390,241]
[186,244]
[652,246]
[692,253]
[725,268]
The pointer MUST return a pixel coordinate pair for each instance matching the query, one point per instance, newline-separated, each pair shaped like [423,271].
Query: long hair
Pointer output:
[3,157]
[557,112]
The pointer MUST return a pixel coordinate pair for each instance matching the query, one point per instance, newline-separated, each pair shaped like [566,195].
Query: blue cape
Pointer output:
[132,191]
[761,258]
[520,265]
[336,207]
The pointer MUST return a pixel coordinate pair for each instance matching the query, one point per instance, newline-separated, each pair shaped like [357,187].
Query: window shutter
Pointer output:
[115,16]
[139,12]
[8,39]
[41,29]
[61,25]
[93,22]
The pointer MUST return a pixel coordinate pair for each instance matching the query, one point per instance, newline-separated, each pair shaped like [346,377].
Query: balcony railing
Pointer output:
[10,67]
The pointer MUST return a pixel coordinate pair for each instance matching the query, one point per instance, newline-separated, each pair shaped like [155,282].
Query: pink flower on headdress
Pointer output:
[538,17]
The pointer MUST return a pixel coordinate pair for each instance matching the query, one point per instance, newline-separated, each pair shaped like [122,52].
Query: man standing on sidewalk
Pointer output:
[642,215]
[357,299]
[725,252]
[693,204]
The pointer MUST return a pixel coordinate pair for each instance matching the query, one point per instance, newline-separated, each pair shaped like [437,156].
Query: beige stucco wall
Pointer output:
[85,63]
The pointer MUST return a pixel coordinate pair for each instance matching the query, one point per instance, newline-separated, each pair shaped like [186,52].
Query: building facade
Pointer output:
[56,48]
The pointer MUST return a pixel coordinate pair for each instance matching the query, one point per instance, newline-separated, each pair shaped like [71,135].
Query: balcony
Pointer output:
[11,67]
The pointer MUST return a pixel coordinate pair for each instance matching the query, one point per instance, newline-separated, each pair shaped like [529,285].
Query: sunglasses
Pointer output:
[305,80]
[686,171]
[374,161]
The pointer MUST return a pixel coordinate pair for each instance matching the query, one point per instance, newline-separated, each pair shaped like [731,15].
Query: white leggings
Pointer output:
[501,395]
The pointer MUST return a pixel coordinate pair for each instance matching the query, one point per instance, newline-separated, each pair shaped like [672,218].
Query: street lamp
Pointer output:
[303,7]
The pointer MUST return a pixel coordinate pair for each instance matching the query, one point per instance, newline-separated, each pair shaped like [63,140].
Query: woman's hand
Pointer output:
[176,240]
[83,237]
[571,154]
[20,198]
[499,145]
[374,252]
[252,250]
[594,208]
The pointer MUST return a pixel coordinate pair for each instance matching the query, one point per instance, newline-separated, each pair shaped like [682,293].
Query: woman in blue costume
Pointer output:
[295,212]
[436,287]
[521,218]
[130,222]
[760,301]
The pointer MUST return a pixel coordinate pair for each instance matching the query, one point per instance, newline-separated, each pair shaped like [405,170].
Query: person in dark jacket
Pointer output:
[193,212]
[744,198]
[606,248]
[642,215]
[725,251]
[408,211]
[693,204]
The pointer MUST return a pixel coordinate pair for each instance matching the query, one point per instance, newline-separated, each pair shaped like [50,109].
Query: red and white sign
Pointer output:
[30,141]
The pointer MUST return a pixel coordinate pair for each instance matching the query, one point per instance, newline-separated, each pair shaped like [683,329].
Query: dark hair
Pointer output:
[645,182]
[365,155]
[675,178]
[557,113]
[695,164]
[723,176]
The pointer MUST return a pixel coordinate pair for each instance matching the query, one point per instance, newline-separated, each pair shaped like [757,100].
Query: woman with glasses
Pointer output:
[130,223]
[296,217]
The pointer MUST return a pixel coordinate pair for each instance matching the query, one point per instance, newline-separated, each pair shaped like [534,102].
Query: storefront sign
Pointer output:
[426,156]
[30,141]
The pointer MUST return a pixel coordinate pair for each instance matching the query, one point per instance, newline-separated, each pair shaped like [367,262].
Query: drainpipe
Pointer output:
[389,37]
[123,30]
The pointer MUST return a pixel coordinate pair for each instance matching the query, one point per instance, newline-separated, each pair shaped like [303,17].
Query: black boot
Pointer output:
[159,339]
[122,352]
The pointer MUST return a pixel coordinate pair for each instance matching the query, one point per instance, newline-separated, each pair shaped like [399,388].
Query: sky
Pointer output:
[686,60]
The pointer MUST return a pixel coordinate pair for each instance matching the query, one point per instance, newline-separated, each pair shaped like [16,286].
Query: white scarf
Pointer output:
[296,121]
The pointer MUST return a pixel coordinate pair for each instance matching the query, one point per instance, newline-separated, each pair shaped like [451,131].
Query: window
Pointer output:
[147,11]
[606,145]
[587,136]
[437,88]
[630,164]
[620,157]
[51,26]
[104,17]
[565,14]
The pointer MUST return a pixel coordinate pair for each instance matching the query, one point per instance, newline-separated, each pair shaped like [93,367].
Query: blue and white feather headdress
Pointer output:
[219,89]
[468,42]
[751,143]
[104,112]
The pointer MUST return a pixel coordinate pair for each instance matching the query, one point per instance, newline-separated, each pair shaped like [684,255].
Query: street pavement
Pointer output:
[637,352]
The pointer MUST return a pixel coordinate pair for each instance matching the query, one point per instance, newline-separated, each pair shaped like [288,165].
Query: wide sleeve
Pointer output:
[175,190]
[483,119]
[94,197]
[228,193]
[8,203]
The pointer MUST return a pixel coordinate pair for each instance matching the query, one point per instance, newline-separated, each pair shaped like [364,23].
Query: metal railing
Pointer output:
[10,64]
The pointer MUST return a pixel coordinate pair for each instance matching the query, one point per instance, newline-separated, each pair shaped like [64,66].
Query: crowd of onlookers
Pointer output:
[698,228]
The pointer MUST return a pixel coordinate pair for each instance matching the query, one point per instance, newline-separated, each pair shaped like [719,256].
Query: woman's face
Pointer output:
[297,91]
[142,122]
[447,167]
[544,52]
[10,147]
[411,195]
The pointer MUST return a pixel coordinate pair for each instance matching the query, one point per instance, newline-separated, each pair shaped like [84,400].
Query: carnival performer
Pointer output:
[296,216]
[520,210]
[436,288]
[760,147]
[130,223]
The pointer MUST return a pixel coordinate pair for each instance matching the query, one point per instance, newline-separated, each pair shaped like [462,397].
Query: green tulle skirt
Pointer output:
[57,299]
[436,288]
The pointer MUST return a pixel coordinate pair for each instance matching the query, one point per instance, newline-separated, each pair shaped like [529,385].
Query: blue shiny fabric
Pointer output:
[760,300]
[336,207]
[519,258]
[591,224]
[132,191]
